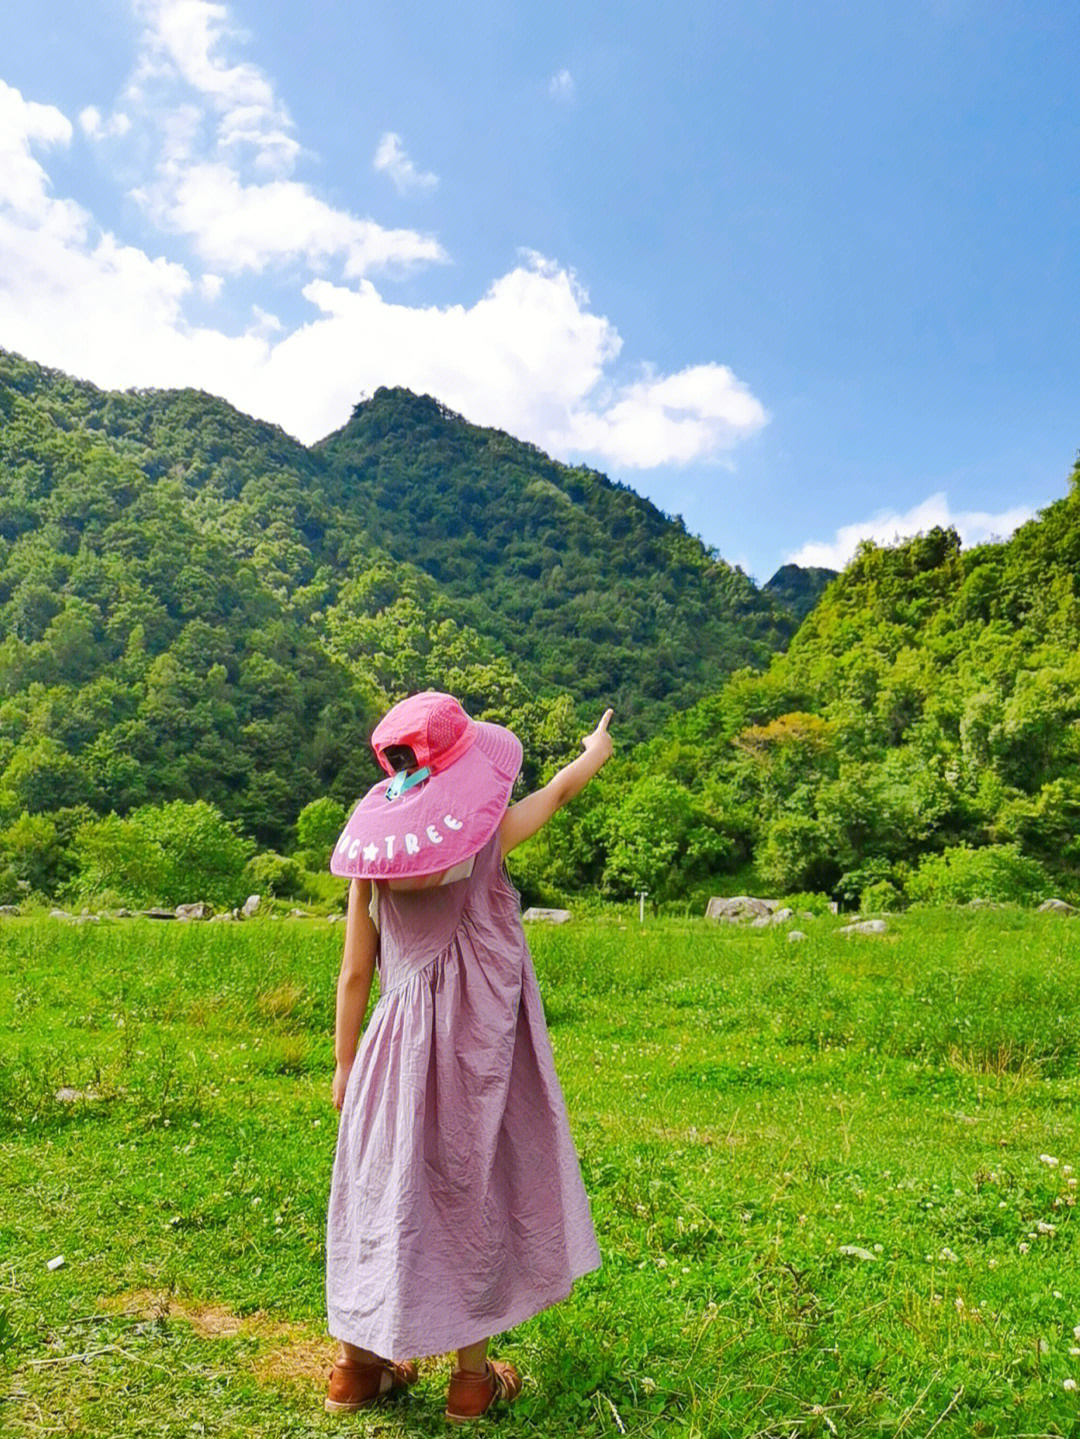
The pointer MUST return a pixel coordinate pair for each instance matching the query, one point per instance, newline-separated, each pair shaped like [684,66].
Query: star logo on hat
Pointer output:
[371,853]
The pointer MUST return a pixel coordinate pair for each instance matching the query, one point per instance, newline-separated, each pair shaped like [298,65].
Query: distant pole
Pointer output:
[642,894]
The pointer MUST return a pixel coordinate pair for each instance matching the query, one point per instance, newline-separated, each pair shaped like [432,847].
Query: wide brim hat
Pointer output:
[446,809]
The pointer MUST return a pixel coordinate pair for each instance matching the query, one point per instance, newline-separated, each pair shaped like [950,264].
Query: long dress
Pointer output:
[457,1208]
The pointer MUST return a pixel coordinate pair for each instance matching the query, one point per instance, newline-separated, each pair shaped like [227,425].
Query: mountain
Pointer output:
[575,575]
[798,588]
[193,604]
[929,701]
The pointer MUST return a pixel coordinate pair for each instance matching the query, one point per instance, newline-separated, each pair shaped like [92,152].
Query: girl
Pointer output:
[456,1204]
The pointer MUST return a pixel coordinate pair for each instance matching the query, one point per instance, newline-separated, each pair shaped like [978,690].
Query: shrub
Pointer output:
[165,854]
[882,894]
[274,874]
[996,871]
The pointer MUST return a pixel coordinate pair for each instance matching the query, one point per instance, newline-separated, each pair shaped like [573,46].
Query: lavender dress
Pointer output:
[456,1205]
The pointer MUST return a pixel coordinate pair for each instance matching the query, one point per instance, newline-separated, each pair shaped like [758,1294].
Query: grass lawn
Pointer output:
[833,1181]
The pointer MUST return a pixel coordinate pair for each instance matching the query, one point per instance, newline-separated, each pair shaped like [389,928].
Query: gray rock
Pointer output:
[334,918]
[86,919]
[59,914]
[69,1096]
[864,926]
[781,915]
[199,910]
[854,1252]
[762,922]
[298,914]
[9,909]
[795,934]
[739,906]
[158,913]
[807,914]
[549,916]
[217,918]
[1056,906]
[250,905]
[122,913]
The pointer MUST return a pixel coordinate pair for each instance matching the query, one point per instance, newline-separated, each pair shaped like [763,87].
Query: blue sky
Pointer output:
[798,273]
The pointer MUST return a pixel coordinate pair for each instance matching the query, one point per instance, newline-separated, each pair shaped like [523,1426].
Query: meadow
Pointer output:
[833,1182]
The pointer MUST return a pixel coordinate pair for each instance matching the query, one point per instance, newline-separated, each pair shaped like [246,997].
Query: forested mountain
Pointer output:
[798,587]
[930,701]
[195,606]
[577,576]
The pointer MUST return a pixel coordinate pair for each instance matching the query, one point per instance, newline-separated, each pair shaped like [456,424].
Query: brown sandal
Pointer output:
[471,1395]
[356,1385]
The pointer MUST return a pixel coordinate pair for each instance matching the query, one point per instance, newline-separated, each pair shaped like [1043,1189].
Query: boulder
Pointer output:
[1056,906]
[85,918]
[158,913]
[864,926]
[219,917]
[739,906]
[334,918]
[298,914]
[250,905]
[549,916]
[9,909]
[59,914]
[762,922]
[781,915]
[794,934]
[199,910]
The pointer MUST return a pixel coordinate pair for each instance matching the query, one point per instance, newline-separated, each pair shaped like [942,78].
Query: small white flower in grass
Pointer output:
[1076,1332]
[1066,1169]
[1045,1228]
[1044,1346]
[1003,1204]
[959,1304]
[1023,1248]
[1074,1350]
[1057,1293]
[661,1263]
[1072,1183]
[991,1264]
[947,1253]
[1048,1159]
[1069,1384]
[649,1385]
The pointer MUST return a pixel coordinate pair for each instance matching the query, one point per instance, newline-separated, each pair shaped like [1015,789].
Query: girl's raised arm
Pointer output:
[523,819]
[354,983]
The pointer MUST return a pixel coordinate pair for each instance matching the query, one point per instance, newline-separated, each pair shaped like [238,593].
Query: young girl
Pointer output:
[456,1204]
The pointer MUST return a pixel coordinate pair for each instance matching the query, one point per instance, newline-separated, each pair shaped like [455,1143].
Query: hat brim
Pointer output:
[437,824]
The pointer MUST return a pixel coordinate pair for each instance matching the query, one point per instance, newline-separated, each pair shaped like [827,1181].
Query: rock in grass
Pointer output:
[781,915]
[1056,906]
[762,922]
[549,916]
[854,1252]
[65,1095]
[739,906]
[795,934]
[158,913]
[250,905]
[199,910]
[9,909]
[220,917]
[59,914]
[864,926]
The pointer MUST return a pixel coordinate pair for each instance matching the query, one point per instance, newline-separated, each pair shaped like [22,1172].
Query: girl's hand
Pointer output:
[341,1079]
[599,742]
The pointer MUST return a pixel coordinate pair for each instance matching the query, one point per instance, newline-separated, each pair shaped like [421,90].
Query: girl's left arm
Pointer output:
[354,983]
[522,820]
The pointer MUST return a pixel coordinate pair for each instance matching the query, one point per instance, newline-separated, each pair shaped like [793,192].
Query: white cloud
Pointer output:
[224,173]
[561,85]
[973,526]
[530,355]
[97,128]
[391,159]
[238,226]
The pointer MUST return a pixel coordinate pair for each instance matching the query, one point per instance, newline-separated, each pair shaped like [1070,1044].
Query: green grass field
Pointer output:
[745,1109]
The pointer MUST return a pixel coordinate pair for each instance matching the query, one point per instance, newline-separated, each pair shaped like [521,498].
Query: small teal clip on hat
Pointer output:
[403,780]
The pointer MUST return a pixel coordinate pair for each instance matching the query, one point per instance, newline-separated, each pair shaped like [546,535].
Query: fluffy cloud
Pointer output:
[97,128]
[973,526]
[392,159]
[561,85]
[224,173]
[528,355]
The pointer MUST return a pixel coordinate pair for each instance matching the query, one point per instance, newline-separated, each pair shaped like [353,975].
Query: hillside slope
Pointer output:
[192,604]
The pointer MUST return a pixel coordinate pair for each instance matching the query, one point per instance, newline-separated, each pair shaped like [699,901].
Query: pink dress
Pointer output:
[456,1204]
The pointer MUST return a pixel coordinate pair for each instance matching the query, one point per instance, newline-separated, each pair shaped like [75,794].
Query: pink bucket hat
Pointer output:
[440,813]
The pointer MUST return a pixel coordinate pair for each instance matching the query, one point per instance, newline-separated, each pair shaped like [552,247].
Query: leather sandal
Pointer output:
[356,1385]
[471,1395]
